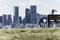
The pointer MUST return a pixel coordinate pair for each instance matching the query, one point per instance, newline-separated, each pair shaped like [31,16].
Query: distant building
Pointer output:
[19,19]
[33,14]
[16,14]
[27,12]
[4,20]
[9,20]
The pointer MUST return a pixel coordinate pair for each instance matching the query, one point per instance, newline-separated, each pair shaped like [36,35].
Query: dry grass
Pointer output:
[30,34]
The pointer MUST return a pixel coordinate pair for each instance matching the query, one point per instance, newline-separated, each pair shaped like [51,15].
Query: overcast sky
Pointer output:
[43,6]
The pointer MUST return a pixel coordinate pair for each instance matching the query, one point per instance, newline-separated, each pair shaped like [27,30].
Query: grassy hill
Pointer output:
[30,34]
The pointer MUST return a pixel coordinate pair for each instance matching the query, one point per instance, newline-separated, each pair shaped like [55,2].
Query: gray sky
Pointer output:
[43,6]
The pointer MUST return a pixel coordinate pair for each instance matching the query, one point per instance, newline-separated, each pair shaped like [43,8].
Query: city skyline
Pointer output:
[31,17]
[43,6]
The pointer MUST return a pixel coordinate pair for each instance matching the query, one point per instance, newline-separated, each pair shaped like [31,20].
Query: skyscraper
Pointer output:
[27,15]
[9,20]
[16,13]
[20,19]
[33,14]
[4,20]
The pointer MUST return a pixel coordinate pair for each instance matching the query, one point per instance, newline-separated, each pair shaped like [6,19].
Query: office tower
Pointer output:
[16,13]
[9,20]
[4,20]
[0,19]
[27,15]
[20,19]
[33,14]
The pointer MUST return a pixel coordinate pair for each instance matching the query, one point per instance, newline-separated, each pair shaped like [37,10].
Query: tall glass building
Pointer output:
[9,19]
[4,20]
[33,14]
[16,13]
[27,15]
